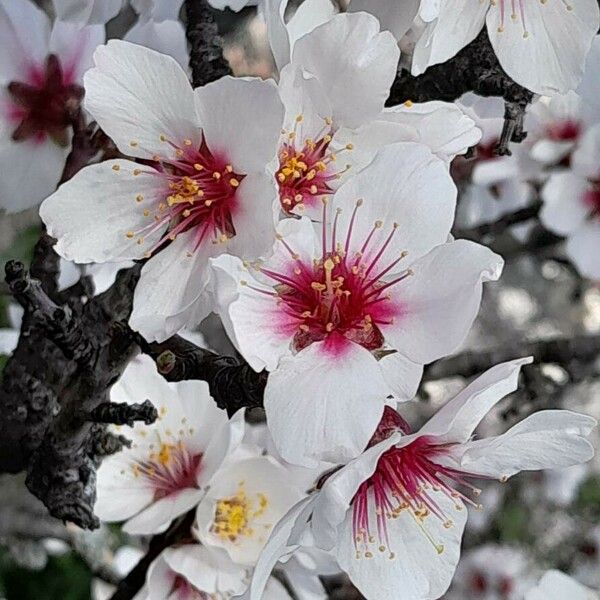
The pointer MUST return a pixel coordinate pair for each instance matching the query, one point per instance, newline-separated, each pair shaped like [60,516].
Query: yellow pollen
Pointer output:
[139,198]
[229,168]
[130,234]
[163,138]
[137,171]
[116,168]
[233,182]
[198,167]
[216,175]
[409,104]
[233,515]
[133,144]
[164,455]
[187,142]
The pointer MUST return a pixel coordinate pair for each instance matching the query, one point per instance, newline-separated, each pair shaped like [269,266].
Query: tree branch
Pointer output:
[474,69]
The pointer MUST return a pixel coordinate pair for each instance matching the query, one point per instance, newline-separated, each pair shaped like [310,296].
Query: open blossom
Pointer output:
[572,205]
[171,462]
[325,92]
[335,117]
[202,189]
[346,313]
[40,90]
[394,516]
[246,499]
[555,585]
[541,45]
[87,11]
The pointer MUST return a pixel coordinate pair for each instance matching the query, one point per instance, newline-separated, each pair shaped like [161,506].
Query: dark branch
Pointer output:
[499,226]
[570,353]
[233,384]
[474,69]
[206,47]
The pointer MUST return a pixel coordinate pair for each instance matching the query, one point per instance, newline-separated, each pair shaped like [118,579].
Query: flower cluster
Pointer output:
[316,223]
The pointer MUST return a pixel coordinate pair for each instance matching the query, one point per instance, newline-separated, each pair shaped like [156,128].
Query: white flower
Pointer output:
[492,572]
[203,187]
[157,10]
[396,17]
[540,45]
[40,84]
[555,585]
[572,205]
[376,278]
[170,463]
[246,499]
[394,516]
[325,91]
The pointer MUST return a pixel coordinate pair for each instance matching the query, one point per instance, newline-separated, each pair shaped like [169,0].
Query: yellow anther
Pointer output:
[198,167]
[408,103]
[187,142]
[233,182]
[116,167]
[130,234]
[139,198]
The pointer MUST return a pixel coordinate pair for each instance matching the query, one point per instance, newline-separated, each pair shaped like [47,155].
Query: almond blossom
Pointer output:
[346,313]
[394,516]
[247,497]
[169,465]
[40,90]
[572,205]
[201,190]
[541,45]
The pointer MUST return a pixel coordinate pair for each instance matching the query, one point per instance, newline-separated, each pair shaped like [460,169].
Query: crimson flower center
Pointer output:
[405,480]
[201,194]
[341,293]
[186,591]
[564,131]
[307,167]
[169,469]
[44,106]
[592,198]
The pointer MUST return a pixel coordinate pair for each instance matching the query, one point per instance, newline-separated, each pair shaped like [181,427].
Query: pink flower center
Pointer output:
[201,193]
[591,198]
[43,107]
[404,480]
[168,470]
[564,131]
[341,295]
[306,167]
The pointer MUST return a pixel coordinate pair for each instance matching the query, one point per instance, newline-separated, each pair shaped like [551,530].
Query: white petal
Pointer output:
[278,545]
[405,184]
[75,46]
[87,11]
[564,208]
[8,340]
[138,95]
[582,249]
[458,23]
[157,10]
[555,585]
[241,119]
[254,216]
[207,571]
[418,568]
[441,126]
[309,15]
[30,171]
[586,158]
[172,289]
[277,31]
[440,301]
[91,214]
[551,152]
[325,405]
[356,81]
[120,495]
[544,440]
[157,517]
[24,37]
[458,418]
[557,42]
[402,375]
[393,17]
[167,37]
[225,438]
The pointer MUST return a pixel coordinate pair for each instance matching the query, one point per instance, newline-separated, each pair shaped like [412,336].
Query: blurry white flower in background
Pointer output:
[41,75]
[555,585]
